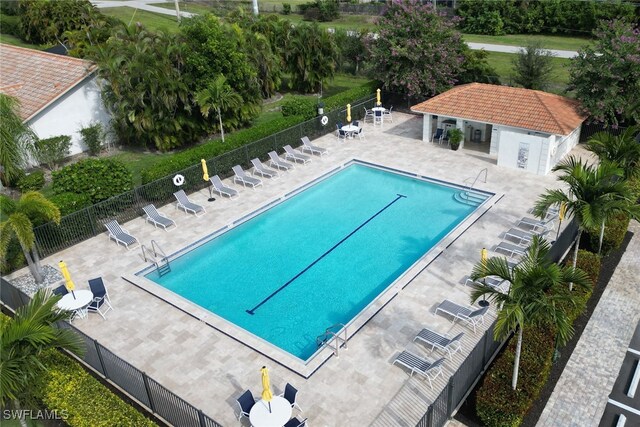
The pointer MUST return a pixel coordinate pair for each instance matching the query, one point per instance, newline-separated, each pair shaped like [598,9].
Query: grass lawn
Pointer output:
[152,21]
[15,41]
[138,160]
[549,42]
[502,62]
[187,7]
[345,22]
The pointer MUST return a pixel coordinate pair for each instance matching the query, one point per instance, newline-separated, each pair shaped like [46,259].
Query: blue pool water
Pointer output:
[331,250]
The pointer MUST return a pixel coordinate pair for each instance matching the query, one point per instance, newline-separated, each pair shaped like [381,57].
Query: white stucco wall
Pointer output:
[519,149]
[76,109]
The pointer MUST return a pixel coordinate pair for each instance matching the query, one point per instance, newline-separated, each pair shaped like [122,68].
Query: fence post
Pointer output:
[430,416]
[484,349]
[104,368]
[201,418]
[145,380]
[92,220]
[450,397]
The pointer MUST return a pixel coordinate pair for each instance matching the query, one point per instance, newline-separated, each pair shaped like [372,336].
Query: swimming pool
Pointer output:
[319,257]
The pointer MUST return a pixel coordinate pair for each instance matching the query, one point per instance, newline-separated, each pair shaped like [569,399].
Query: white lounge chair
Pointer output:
[313,149]
[291,154]
[471,315]
[158,218]
[276,162]
[260,169]
[435,339]
[118,234]
[187,205]
[510,249]
[491,281]
[429,370]
[537,224]
[218,187]
[243,178]
[524,237]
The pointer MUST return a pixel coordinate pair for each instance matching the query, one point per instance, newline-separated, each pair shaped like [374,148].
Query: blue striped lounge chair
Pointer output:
[120,235]
[417,364]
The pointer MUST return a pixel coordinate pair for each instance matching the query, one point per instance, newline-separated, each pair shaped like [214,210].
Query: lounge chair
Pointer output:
[187,205]
[101,303]
[494,282]
[510,249]
[245,402]
[290,154]
[157,218]
[537,224]
[291,393]
[313,149]
[387,114]
[218,187]
[294,422]
[262,170]
[242,177]
[60,290]
[422,366]
[524,237]
[276,162]
[434,339]
[471,315]
[119,234]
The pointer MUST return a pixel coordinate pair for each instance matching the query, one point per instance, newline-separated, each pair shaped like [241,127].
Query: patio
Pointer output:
[361,387]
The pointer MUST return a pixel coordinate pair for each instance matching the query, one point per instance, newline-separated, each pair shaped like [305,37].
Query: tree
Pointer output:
[605,76]
[536,297]
[310,57]
[595,193]
[533,66]
[24,337]
[17,222]
[476,68]
[622,149]
[16,140]
[417,52]
[218,95]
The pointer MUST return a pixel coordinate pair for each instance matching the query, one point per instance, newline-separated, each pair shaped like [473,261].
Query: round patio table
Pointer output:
[259,416]
[350,129]
[76,301]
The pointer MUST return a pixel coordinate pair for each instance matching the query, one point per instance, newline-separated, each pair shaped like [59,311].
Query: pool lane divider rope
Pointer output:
[274,293]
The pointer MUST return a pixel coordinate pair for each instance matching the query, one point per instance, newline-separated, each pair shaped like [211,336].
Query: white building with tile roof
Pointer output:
[58,94]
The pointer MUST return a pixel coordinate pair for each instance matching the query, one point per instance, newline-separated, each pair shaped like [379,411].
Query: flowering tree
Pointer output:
[606,75]
[417,51]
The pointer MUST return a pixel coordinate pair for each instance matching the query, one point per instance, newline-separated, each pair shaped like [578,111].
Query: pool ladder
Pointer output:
[467,195]
[332,338]
[157,256]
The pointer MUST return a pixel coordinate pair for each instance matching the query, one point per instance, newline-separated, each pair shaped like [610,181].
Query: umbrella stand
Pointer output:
[73,294]
[269,407]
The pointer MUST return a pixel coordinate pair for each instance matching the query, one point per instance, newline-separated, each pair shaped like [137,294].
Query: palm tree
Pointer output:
[17,221]
[595,194]
[24,337]
[16,139]
[537,294]
[219,96]
[622,149]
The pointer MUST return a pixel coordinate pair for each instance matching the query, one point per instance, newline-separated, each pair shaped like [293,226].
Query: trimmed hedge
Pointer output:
[341,100]
[299,106]
[32,182]
[68,389]
[614,232]
[634,185]
[99,179]
[497,404]
[70,202]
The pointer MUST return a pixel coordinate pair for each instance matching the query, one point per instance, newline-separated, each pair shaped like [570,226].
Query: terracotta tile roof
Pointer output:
[510,106]
[38,78]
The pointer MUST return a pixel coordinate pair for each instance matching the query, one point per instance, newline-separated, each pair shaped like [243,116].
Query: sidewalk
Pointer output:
[580,396]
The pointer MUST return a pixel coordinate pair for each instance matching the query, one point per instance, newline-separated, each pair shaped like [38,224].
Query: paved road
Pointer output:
[147,5]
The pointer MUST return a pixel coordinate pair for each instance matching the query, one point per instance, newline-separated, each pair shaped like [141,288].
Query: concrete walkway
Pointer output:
[580,396]
[516,49]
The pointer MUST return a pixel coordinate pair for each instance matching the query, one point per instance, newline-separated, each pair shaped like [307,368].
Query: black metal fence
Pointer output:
[88,222]
[589,129]
[150,394]
[477,362]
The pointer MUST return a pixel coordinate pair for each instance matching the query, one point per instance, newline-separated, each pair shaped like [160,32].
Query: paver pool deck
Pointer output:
[361,387]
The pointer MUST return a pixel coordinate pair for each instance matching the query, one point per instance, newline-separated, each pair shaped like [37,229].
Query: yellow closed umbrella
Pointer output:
[348,113]
[378,97]
[67,277]
[561,214]
[483,256]
[205,171]
[267,395]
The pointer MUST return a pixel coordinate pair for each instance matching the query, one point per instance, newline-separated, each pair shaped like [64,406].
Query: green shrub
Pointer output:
[52,151]
[99,179]
[341,99]
[92,136]
[70,202]
[67,388]
[13,259]
[614,231]
[286,8]
[299,106]
[319,10]
[10,24]
[589,263]
[497,404]
[634,185]
[34,181]
[13,183]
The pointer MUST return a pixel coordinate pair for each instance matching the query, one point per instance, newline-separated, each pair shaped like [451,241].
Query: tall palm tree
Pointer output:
[24,337]
[16,139]
[219,96]
[595,194]
[622,149]
[17,222]
[537,294]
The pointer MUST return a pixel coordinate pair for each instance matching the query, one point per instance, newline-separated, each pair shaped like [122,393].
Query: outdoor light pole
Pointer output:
[255,7]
